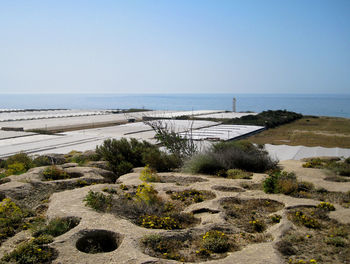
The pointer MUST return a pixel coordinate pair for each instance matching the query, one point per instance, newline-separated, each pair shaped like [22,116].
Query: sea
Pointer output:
[337,105]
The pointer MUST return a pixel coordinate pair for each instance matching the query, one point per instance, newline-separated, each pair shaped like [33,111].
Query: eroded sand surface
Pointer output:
[70,203]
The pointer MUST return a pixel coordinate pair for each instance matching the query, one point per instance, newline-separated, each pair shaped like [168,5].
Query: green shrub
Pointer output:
[306,220]
[98,201]
[340,231]
[82,183]
[15,169]
[17,164]
[275,218]
[215,241]
[152,241]
[11,218]
[42,161]
[238,174]
[30,253]
[287,184]
[326,206]
[109,190]
[230,155]
[159,222]
[242,155]
[314,163]
[163,246]
[53,173]
[338,167]
[124,167]
[146,193]
[123,187]
[80,159]
[336,241]
[343,169]
[270,183]
[54,227]
[188,196]
[161,161]
[280,182]
[305,186]
[149,175]
[43,239]
[20,158]
[122,155]
[3,164]
[243,145]
[191,196]
[202,163]
[257,225]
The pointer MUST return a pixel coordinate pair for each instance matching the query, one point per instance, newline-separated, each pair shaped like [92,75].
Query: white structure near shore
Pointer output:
[12,142]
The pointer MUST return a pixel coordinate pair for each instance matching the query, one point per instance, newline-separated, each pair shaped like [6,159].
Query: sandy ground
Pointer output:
[71,203]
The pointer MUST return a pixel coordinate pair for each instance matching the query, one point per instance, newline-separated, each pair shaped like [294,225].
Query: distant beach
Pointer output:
[337,105]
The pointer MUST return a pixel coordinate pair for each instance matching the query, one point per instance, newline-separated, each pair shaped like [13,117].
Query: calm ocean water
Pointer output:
[325,104]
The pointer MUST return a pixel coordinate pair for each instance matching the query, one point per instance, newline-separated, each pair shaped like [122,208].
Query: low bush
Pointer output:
[230,155]
[11,218]
[53,173]
[306,220]
[54,227]
[336,241]
[275,218]
[257,225]
[31,252]
[81,157]
[287,184]
[305,186]
[16,164]
[78,158]
[215,241]
[110,190]
[326,206]
[42,161]
[191,196]
[341,168]
[149,175]
[202,163]
[2,164]
[238,174]
[122,155]
[20,158]
[82,183]
[161,161]
[159,222]
[15,169]
[163,247]
[280,182]
[340,231]
[147,194]
[98,201]
[314,163]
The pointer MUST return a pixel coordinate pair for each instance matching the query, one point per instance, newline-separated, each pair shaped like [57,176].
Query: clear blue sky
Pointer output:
[182,46]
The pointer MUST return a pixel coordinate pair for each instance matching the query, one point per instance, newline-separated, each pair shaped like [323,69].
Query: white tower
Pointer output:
[234,104]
